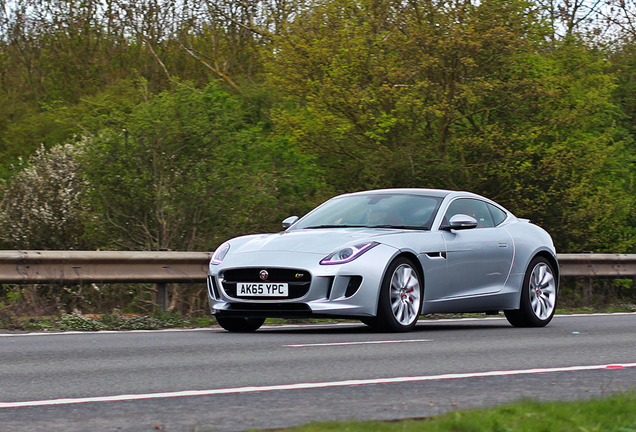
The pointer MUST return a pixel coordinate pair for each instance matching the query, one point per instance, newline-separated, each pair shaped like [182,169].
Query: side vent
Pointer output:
[353,285]
[436,255]
[212,288]
[329,286]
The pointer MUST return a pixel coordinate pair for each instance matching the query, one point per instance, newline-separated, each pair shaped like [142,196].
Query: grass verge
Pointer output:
[115,321]
[163,320]
[616,413]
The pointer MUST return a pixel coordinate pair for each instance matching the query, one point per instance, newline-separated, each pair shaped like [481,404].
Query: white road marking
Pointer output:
[326,344]
[305,386]
[104,332]
[182,330]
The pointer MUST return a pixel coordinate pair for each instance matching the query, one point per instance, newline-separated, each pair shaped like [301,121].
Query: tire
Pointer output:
[400,300]
[240,324]
[538,296]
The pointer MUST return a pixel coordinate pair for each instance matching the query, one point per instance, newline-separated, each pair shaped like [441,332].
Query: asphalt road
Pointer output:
[207,379]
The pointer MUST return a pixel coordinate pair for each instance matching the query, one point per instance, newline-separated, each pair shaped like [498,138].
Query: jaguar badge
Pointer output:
[263,274]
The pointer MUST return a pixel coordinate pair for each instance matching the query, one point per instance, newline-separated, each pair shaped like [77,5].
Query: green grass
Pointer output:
[615,413]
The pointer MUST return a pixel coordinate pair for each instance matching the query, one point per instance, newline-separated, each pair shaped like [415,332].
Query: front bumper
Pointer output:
[343,290]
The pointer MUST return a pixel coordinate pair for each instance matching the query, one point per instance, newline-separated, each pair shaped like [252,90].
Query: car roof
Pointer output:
[440,193]
[437,193]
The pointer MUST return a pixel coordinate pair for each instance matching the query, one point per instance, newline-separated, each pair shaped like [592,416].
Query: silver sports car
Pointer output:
[386,257]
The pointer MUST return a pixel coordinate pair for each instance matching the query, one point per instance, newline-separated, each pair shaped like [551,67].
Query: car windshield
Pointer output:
[374,211]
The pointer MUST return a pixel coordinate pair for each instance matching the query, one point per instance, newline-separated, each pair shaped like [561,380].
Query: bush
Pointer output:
[42,208]
[79,323]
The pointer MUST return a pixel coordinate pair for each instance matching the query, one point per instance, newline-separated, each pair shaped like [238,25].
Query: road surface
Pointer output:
[208,379]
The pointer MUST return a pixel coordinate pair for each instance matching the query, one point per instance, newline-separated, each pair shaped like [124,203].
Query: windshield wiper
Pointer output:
[334,226]
[407,227]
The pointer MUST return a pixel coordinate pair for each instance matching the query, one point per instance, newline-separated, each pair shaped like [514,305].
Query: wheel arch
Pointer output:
[553,262]
[525,315]
[413,257]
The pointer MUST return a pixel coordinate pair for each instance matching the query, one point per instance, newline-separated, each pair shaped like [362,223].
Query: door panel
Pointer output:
[477,261]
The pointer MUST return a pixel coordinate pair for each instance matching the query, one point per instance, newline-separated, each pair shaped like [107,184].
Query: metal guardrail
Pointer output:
[175,267]
[162,268]
[80,267]
[598,265]
[102,266]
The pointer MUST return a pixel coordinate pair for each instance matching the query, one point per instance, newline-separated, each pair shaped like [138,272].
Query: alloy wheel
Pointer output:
[405,294]
[542,291]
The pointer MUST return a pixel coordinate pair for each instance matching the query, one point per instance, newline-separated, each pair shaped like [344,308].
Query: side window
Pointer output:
[498,215]
[471,207]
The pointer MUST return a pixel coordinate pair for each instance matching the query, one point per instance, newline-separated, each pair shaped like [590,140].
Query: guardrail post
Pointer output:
[162,295]
[589,291]
[585,289]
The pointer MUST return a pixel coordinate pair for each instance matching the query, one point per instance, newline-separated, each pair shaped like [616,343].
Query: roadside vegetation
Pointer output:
[176,125]
[117,321]
[108,322]
[616,413]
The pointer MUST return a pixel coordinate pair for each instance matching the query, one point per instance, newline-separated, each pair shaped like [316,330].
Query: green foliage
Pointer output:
[559,158]
[147,125]
[8,318]
[383,88]
[142,322]
[598,294]
[189,168]
[398,95]
[24,129]
[79,323]
[60,54]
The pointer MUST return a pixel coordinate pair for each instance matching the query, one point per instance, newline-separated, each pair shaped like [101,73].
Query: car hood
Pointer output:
[318,241]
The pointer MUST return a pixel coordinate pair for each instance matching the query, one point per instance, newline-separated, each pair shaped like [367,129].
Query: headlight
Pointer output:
[219,254]
[348,254]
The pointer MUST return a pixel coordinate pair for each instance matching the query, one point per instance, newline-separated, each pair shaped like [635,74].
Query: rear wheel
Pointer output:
[538,296]
[240,324]
[400,298]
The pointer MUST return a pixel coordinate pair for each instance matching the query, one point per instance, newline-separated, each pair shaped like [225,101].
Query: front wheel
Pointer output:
[400,298]
[538,296]
[240,324]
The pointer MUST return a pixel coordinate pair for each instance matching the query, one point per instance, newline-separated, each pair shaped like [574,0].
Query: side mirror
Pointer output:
[290,221]
[460,222]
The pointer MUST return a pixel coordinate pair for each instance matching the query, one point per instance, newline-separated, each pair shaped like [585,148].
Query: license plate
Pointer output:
[262,289]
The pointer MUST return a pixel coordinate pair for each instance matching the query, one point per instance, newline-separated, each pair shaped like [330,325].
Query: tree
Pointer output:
[382,84]
[188,169]
[568,18]
[460,95]
[59,54]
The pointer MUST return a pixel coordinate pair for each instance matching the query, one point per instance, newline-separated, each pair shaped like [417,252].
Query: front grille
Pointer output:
[298,281]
